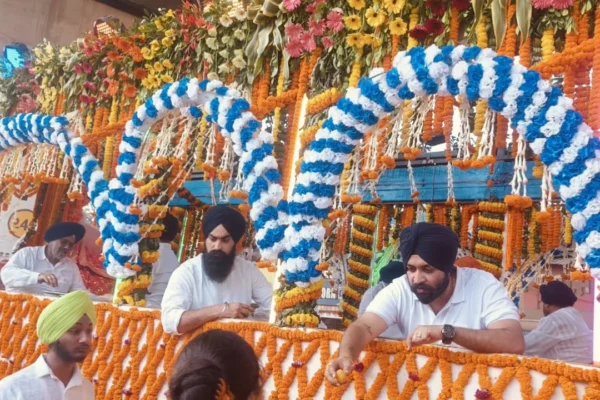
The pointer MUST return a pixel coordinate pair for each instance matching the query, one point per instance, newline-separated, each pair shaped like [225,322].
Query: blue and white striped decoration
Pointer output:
[34,128]
[226,108]
[538,111]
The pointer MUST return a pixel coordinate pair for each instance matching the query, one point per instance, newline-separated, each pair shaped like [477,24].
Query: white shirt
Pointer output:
[161,272]
[478,301]
[393,332]
[191,289]
[562,335]
[37,382]
[21,272]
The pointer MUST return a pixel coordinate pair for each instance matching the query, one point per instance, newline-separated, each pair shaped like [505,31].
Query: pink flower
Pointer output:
[87,68]
[89,86]
[558,4]
[101,74]
[294,48]
[311,8]
[84,99]
[334,21]
[291,5]
[78,69]
[88,51]
[317,28]
[308,42]
[293,31]
[434,26]
[327,42]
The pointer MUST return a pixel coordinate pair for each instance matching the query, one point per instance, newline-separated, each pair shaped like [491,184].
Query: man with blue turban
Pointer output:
[435,302]
[46,268]
[66,326]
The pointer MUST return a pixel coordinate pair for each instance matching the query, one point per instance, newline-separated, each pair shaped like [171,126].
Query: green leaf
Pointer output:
[478,8]
[524,10]
[263,39]
[499,20]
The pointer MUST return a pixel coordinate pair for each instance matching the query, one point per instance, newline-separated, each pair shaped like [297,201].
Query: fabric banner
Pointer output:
[14,223]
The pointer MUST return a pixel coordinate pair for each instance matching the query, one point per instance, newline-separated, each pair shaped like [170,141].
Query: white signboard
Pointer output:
[14,224]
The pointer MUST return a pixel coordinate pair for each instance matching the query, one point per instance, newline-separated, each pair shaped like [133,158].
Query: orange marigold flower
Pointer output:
[140,73]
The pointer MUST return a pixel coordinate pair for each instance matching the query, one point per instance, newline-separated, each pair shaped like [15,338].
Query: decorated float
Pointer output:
[325,124]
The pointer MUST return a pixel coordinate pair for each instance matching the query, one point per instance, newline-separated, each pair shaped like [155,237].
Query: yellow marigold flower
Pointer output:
[355,40]
[167,42]
[158,24]
[170,33]
[375,18]
[147,53]
[398,27]
[158,67]
[394,6]
[154,45]
[357,4]
[352,22]
[168,65]
[167,79]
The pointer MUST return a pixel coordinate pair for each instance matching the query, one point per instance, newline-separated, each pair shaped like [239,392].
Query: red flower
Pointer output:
[461,5]
[308,42]
[311,8]
[294,48]
[78,69]
[413,376]
[437,7]
[434,26]
[327,42]
[87,68]
[419,33]
[482,394]
[140,73]
[84,99]
[89,86]
[359,367]
[317,28]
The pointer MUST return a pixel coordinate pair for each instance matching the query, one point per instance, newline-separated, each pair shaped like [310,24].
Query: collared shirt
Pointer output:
[25,266]
[478,301]
[161,272]
[38,382]
[392,332]
[562,335]
[191,289]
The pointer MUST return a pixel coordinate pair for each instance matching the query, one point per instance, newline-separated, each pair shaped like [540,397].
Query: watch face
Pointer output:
[448,332]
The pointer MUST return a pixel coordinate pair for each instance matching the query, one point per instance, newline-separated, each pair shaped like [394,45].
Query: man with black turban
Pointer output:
[46,268]
[215,284]
[436,302]
[562,334]
[166,264]
[393,270]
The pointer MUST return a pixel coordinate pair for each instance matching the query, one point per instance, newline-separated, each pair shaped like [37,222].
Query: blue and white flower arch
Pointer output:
[293,230]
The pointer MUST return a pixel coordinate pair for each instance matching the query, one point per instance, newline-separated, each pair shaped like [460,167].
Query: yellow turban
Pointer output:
[60,315]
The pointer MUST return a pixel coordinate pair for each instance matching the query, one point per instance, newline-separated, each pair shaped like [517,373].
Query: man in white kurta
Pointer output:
[562,334]
[215,284]
[166,264]
[46,268]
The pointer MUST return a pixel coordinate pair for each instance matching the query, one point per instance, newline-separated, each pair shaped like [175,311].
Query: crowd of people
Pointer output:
[425,299]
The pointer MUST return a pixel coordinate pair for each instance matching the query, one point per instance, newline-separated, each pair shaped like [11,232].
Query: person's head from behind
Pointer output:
[428,251]
[223,227]
[66,326]
[216,365]
[61,238]
[171,229]
[394,270]
[556,295]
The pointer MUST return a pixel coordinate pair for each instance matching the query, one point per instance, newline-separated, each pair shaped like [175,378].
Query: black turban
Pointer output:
[171,229]
[63,230]
[557,293]
[393,270]
[230,218]
[434,243]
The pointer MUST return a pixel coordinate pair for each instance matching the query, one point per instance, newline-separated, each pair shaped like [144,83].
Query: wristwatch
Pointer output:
[448,333]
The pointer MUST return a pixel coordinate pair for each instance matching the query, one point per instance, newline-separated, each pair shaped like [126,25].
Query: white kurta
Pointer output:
[478,301]
[38,382]
[191,289]
[25,266]
[392,332]
[161,272]
[562,335]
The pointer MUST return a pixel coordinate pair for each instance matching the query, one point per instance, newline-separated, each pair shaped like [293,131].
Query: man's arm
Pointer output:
[77,283]
[16,272]
[262,292]
[191,320]
[504,336]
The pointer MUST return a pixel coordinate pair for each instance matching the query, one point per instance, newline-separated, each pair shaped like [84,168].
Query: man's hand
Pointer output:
[426,334]
[331,372]
[236,310]
[48,278]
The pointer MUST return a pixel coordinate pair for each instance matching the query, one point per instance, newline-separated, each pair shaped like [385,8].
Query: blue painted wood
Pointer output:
[431,182]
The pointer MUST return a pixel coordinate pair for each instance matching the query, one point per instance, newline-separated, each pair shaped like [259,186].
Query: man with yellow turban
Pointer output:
[66,326]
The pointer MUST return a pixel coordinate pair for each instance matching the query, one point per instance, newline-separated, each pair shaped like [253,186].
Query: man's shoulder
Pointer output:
[14,381]
[244,265]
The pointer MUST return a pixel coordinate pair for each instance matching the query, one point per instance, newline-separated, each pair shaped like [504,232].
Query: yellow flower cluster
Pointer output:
[297,291]
[308,320]
[492,207]
[491,223]
[488,251]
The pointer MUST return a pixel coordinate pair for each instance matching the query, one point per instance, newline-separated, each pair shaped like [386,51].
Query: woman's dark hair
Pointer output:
[209,360]
[171,228]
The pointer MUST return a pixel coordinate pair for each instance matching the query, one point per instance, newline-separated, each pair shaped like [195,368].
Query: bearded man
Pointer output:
[66,326]
[436,302]
[215,284]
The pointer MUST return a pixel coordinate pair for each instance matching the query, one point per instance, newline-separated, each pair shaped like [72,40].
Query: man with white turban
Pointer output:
[66,326]
[216,284]
[44,268]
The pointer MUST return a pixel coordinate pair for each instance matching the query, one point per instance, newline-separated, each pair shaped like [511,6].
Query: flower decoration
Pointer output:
[352,22]
[375,18]
[357,4]
[398,27]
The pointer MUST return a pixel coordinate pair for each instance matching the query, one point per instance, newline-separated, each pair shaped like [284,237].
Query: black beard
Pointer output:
[431,293]
[217,264]
[64,354]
